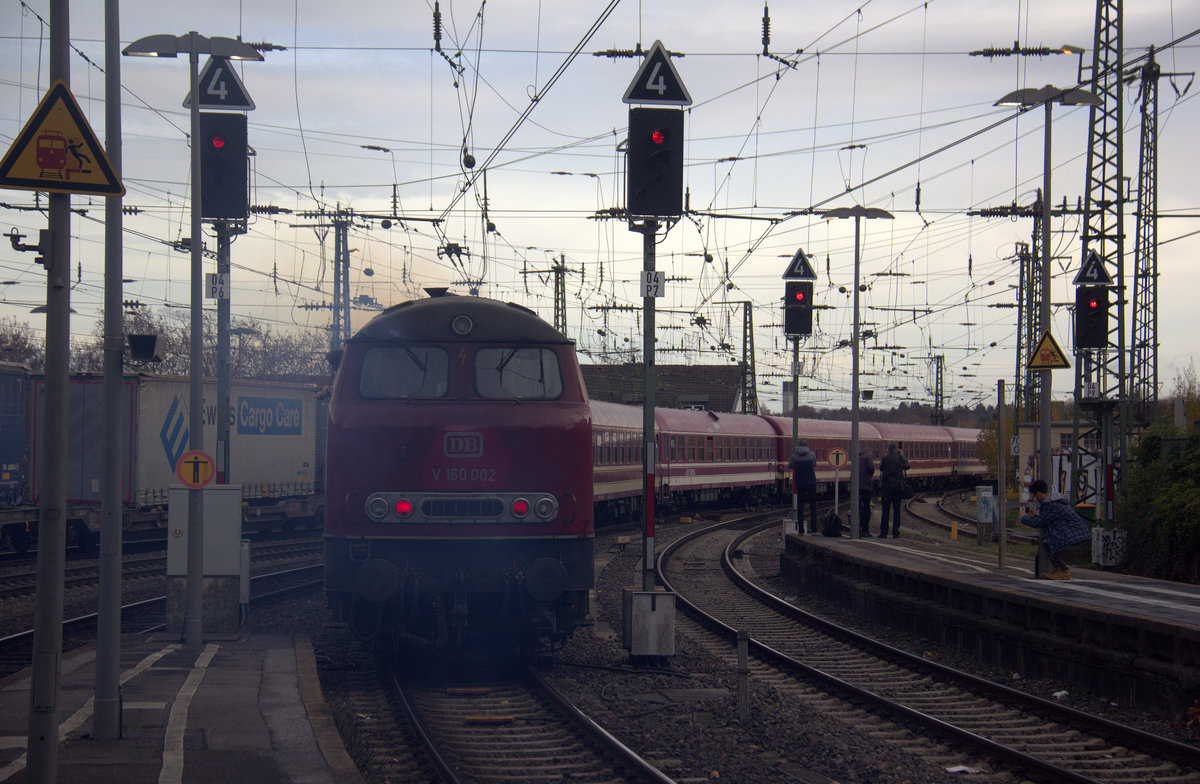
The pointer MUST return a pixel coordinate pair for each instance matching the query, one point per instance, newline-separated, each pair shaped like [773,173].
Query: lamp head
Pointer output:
[161,45]
[857,211]
[1036,96]
[1079,97]
[233,49]
[165,45]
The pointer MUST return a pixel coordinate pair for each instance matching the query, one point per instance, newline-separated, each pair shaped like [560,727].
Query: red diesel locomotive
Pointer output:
[466,469]
[459,476]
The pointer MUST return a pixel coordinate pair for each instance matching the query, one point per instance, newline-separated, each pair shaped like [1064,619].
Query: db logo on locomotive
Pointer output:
[463,445]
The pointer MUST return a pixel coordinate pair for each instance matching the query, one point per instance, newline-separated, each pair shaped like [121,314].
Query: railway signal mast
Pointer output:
[797,323]
[654,159]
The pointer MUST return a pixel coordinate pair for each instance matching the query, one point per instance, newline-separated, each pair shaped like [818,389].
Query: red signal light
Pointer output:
[798,307]
[658,136]
[404,507]
[217,141]
[520,507]
[1091,317]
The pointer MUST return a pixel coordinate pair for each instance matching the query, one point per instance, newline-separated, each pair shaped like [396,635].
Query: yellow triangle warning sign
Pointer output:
[56,151]
[1048,355]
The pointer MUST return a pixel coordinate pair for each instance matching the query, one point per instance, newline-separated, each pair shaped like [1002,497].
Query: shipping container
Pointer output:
[272,452]
[13,391]
[272,436]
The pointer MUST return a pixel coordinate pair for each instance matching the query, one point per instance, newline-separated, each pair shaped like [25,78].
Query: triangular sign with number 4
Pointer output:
[220,87]
[1093,272]
[657,81]
[799,268]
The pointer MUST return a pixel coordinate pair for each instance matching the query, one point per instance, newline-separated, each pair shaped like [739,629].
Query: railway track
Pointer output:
[504,729]
[942,515]
[18,581]
[279,569]
[954,719]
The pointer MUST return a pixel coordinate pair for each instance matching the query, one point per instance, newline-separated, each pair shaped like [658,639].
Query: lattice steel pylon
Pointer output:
[341,281]
[1028,386]
[559,270]
[560,295]
[1143,378]
[938,415]
[1030,295]
[749,378]
[1099,443]
[1027,391]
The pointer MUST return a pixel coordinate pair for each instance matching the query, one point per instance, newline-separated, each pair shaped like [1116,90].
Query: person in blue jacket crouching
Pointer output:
[1061,526]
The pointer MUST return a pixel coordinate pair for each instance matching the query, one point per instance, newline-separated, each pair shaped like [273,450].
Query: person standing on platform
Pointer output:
[866,470]
[1061,527]
[891,480]
[804,479]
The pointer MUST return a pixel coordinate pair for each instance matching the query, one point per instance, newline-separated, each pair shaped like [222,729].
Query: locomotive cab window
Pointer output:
[392,372]
[512,372]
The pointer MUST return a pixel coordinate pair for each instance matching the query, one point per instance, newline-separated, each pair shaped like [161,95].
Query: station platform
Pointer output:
[238,711]
[1131,639]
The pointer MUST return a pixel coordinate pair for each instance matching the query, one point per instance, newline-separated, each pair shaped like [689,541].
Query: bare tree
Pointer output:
[255,350]
[21,344]
[87,355]
[260,352]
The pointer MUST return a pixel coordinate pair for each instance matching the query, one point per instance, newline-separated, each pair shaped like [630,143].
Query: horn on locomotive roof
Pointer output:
[436,291]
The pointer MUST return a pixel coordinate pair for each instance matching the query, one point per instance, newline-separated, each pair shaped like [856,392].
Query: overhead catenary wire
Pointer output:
[730,246]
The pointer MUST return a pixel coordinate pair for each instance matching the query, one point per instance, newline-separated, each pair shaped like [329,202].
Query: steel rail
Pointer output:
[1180,753]
[1020,760]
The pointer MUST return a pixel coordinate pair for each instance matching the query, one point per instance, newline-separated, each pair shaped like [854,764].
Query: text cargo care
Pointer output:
[270,416]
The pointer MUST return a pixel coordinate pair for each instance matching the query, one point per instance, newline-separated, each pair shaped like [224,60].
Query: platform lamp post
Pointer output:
[1027,98]
[857,212]
[193,44]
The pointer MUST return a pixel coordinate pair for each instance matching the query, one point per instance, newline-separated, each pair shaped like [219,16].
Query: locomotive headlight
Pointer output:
[404,508]
[520,507]
[377,508]
[462,325]
[546,508]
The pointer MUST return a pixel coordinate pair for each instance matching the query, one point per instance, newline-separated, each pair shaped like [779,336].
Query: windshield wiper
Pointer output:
[508,355]
[413,356]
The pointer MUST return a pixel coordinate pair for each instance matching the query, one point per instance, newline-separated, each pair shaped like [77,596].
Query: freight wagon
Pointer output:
[275,431]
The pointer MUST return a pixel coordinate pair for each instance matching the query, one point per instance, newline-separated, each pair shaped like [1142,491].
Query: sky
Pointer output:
[878,103]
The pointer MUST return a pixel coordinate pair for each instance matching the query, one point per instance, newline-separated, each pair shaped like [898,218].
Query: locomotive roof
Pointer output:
[431,320]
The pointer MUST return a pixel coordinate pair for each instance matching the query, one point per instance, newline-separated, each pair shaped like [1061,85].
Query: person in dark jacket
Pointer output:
[804,479]
[866,470]
[1061,527]
[891,477]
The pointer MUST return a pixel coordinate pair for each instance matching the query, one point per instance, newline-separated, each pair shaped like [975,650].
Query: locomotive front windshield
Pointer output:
[500,373]
[390,372]
[515,372]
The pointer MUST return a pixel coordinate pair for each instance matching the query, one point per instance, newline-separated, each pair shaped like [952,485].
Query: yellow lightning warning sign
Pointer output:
[57,151]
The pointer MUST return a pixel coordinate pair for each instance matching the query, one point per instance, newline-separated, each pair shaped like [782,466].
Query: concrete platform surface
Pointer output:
[244,710]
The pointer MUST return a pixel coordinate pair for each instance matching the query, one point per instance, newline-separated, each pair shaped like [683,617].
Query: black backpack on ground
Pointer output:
[832,525]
